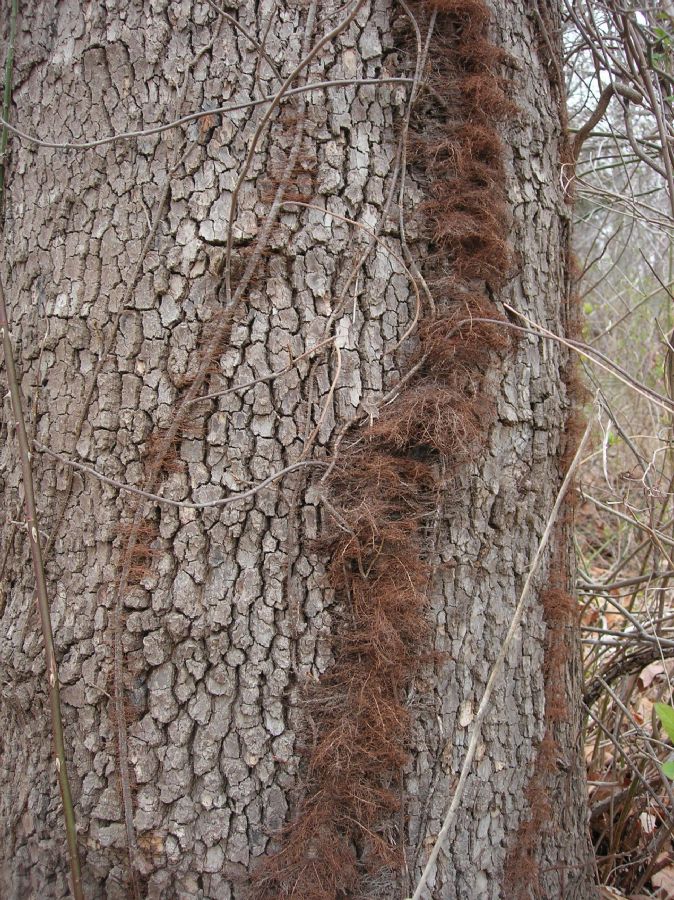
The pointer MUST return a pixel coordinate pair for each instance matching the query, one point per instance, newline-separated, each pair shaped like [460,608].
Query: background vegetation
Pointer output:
[619,72]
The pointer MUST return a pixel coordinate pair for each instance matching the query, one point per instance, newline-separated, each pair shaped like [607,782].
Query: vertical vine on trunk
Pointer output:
[346,838]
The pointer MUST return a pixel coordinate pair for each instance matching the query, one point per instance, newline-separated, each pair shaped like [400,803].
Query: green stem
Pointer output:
[32,524]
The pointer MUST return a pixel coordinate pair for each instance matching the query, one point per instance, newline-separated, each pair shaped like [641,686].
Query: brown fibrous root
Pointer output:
[345,838]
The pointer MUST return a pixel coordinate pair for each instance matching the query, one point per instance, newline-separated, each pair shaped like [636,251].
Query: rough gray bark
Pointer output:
[236,598]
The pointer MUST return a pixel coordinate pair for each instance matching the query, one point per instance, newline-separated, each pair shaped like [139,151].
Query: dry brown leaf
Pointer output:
[648,822]
[610,893]
[649,674]
[643,710]
[663,881]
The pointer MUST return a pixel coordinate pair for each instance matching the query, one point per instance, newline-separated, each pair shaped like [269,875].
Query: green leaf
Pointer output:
[668,769]
[666,716]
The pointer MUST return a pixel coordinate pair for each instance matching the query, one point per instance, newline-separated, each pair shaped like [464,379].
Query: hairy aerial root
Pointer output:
[346,838]
[560,612]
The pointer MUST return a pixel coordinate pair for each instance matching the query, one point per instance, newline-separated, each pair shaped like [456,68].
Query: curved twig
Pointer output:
[166,501]
[194,117]
[586,130]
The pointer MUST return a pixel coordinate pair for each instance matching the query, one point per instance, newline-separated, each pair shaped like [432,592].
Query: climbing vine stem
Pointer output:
[31,519]
[33,531]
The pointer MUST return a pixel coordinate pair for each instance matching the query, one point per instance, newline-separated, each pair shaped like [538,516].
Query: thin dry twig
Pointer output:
[194,117]
[166,501]
[495,673]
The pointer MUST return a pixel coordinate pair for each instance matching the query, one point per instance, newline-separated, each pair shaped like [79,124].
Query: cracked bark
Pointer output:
[212,632]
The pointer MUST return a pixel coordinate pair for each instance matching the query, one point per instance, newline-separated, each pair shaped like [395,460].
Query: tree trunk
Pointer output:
[196,646]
